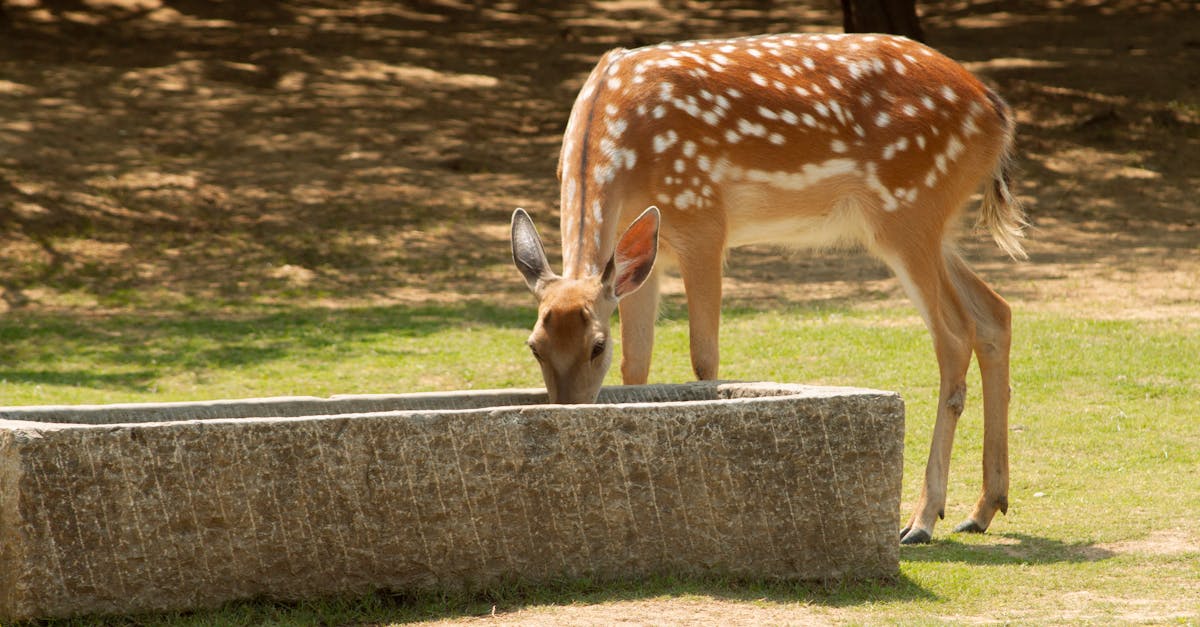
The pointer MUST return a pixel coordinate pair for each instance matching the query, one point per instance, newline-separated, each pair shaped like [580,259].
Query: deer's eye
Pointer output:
[598,348]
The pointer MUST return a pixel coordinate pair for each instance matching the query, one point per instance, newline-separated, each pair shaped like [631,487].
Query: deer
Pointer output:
[688,149]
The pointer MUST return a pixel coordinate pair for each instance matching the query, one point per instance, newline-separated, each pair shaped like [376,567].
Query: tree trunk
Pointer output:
[898,17]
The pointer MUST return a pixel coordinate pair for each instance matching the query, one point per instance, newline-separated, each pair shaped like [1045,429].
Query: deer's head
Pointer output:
[571,337]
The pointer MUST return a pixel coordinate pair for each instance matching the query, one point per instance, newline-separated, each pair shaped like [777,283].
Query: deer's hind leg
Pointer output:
[923,272]
[993,338]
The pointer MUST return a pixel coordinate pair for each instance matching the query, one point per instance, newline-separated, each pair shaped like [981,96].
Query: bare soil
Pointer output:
[157,154]
[161,153]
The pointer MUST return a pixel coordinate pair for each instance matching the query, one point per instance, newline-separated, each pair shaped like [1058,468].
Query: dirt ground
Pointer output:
[159,154]
[164,153]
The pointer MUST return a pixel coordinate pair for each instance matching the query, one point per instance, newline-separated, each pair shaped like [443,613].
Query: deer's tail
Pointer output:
[1001,213]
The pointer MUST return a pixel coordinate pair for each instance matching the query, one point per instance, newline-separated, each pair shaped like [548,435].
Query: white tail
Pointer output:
[806,140]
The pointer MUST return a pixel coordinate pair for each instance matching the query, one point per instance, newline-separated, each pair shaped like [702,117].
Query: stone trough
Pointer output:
[129,508]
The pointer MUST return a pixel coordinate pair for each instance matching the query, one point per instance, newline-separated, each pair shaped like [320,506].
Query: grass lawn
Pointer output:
[1105,446]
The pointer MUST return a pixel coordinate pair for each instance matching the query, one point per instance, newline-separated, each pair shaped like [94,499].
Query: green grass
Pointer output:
[1105,440]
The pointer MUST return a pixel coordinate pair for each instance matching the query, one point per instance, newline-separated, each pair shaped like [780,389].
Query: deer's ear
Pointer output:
[634,258]
[528,254]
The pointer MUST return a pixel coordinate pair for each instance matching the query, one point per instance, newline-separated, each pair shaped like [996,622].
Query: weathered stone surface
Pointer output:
[170,506]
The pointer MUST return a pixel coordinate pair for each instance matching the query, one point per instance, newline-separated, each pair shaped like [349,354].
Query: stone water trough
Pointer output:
[130,508]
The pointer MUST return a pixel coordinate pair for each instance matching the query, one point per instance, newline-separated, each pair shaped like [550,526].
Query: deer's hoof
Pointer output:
[915,536]
[969,526]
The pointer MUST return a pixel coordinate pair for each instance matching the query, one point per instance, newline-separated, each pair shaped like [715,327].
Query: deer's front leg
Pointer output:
[639,311]
[701,267]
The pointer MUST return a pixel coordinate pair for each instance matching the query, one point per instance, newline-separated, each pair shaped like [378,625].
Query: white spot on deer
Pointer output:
[808,63]
[859,130]
[727,48]
[930,178]
[754,52]
[883,119]
[767,113]
[838,146]
[810,174]
[616,127]
[704,163]
[789,117]
[689,149]
[954,147]
[746,127]
[732,137]
[801,91]
[821,109]
[758,79]
[720,58]
[949,94]
[664,90]
[940,162]
[834,82]
[733,93]
[873,182]
[710,117]
[659,112]
[572,192]
[679,166]
[627,156]
[969,127]
[664,141]
[910,110]
[837,111]
[822,46]
[776,138]
[685,200]
[899,66]
[787,70]
[809,120]
[604,173]
[865,99]
[921,142]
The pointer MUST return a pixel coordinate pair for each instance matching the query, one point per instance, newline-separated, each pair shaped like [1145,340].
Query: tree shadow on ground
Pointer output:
[167,147]
[134,351]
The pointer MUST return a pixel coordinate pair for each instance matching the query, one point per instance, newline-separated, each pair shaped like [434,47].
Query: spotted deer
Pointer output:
[801,140]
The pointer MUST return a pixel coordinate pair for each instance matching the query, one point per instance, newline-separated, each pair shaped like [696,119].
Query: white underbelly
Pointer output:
[757,214]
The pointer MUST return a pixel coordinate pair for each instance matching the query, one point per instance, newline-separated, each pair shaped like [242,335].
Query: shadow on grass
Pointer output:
[387,607]
[140,380]
[128,352]
[1005,549]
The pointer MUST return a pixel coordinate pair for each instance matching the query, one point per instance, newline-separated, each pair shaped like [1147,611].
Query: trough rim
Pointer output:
[770,392]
